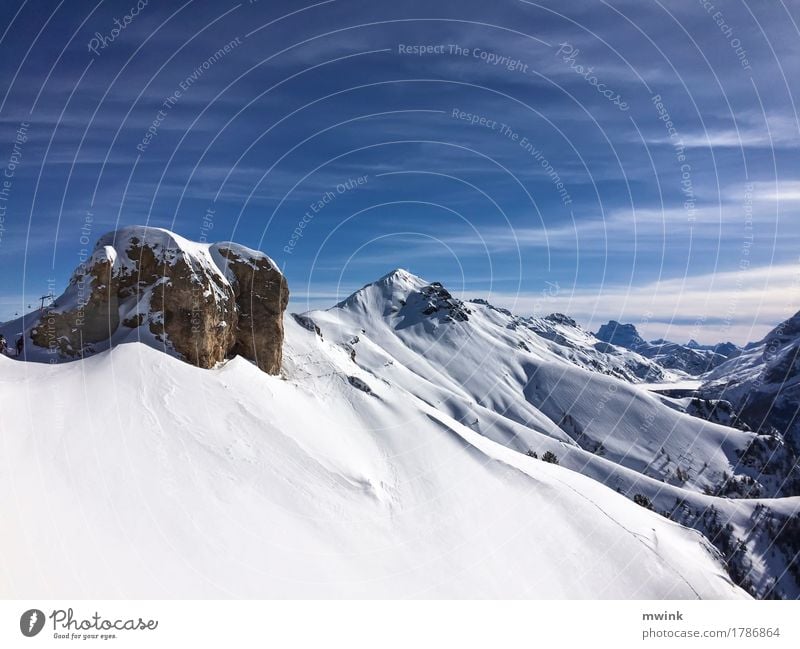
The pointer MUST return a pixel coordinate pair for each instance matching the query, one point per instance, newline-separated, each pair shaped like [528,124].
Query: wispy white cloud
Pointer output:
[750,130]
[620,230]
[736,305]
[780,191]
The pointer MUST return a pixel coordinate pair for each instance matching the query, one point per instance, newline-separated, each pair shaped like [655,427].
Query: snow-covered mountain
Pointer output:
[414,444]
[763,383]
[497,374]
[693,359]
[133,474]
[493,372]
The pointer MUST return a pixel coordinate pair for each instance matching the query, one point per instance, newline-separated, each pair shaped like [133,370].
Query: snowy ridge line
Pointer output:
[407,414]
[533,397]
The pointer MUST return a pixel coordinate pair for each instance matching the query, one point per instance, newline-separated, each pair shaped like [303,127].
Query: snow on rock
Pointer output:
[202,302]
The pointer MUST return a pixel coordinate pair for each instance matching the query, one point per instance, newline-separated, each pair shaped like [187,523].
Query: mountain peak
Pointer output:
[401,277]
[622,335]
[785,332]
[560,318]
[405,295]
[393,287]
[397,274]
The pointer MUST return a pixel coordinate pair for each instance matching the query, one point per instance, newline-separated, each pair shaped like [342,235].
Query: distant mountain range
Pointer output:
[413,443]
[763,382]
[692,358]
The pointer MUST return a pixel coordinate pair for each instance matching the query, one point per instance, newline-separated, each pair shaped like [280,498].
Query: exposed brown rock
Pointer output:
[205,304]
[71,330]
[261,297]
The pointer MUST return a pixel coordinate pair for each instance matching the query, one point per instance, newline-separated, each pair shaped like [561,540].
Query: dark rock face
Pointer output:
[438,300]
[92,320]
[188,308]
[717,411]
[622,335]
[261,294]
[560,318]
[307,323]
[728,349]
[203,303]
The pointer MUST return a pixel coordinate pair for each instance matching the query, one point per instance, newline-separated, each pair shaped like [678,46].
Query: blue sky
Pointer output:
[626,160]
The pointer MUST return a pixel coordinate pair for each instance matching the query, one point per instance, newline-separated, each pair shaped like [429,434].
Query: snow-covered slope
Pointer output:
[763,383]
[400,454]
[487,369]
[132,474]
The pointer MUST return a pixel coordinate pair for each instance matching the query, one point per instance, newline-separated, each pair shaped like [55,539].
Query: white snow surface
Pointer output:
[133,474]
[477,373]
[686,384]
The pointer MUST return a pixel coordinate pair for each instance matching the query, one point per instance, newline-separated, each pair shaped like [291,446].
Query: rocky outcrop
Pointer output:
[619,334]
[91,314]
[261,295]
[204,303]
